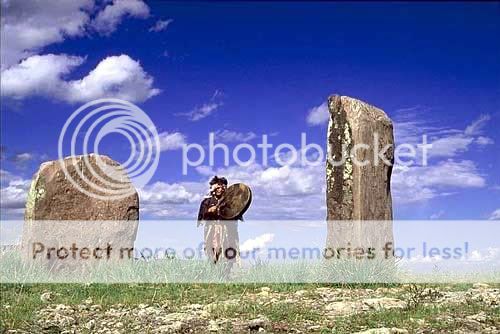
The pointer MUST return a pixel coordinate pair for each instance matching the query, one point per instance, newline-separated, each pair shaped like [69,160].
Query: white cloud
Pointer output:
[168,141]
[259,242]
[161,25]
[29,25]
[477,126]
[13,192]
[484,141]
[450,146]
[453,142]
[495,215]
[38,75]
[13,196]
[23,157]
[165,193]
[278,181]
[108,19]
[421,183]
[205,109]
[6,177]
[446,142]
[175,200]
[171,141]
[115,76]
[233,136]
[318,115]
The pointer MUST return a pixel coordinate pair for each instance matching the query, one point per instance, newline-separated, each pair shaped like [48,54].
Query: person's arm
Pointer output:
[202,212]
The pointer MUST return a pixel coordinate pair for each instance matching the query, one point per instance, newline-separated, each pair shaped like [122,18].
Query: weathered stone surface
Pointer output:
[59,215]
[358,181]
[53,197]
[357,192]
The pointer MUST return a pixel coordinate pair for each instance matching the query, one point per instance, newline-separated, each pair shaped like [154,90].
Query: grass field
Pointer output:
[168,308]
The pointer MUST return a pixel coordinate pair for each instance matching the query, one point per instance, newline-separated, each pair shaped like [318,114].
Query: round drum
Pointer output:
[236,201]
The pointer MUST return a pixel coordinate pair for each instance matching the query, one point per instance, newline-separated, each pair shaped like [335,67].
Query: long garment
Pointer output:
[220,236]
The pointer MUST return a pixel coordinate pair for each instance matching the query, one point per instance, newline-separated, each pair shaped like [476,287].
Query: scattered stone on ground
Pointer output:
[384,330]
[222,316]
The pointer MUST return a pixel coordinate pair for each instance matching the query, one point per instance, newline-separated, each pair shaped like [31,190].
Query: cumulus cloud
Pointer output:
[38,75]
[318,115]
[171,200]
[165,193]
[13,192]
[28,26]
[205,109]
[160,25]
[115,76]
[280,180]
[108,19]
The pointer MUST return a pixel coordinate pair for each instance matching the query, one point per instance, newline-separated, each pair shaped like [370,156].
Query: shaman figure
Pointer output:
[220,234]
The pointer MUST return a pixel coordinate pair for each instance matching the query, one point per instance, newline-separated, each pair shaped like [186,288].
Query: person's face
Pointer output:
[219,189]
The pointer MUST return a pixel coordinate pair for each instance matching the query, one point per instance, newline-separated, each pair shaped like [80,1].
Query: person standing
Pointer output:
[220,236]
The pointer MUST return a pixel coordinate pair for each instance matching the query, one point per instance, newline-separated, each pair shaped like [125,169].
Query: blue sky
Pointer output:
[247,69]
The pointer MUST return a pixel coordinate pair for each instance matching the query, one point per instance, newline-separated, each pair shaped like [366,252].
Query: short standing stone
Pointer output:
[358,181]
[53,197]
[58,214]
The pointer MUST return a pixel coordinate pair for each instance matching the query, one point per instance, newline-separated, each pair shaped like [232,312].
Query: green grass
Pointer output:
[24,300]
[289,312]
[407,319]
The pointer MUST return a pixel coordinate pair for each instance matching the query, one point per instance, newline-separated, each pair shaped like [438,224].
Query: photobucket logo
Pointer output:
[92,174]
[308,154]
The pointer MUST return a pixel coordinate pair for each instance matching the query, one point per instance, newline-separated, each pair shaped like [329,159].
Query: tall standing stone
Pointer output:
[356,192]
